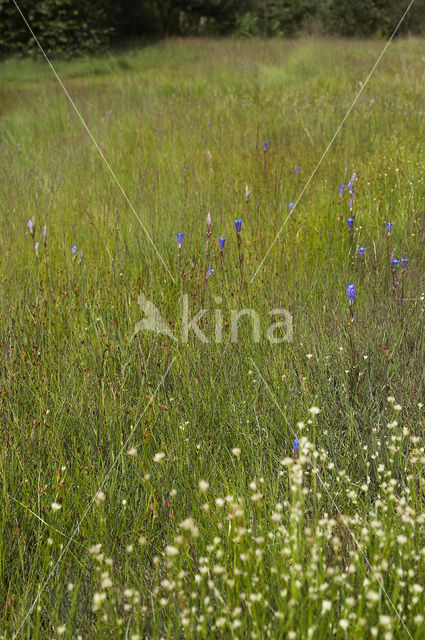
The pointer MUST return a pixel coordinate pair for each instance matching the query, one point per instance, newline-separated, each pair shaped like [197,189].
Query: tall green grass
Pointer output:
[228,534]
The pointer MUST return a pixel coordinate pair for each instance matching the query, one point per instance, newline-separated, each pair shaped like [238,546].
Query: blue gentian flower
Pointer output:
[394,263]
[221,242]
[36,245]
[404,262]
[296,447]
[291,205]
[341,189]
[209,273]
[297,169]
[210,122]
[389,226]
[31,226]
[362,251]
[238,225]
[74,250]
[351,292]
[349,186]
[179,237]
[350,222]
[184,168]
[265,145]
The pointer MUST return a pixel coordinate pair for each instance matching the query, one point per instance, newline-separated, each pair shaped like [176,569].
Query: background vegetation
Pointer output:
[70,27]
[210,525]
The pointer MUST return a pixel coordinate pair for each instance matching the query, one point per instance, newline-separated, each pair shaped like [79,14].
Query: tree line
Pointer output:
[70,27]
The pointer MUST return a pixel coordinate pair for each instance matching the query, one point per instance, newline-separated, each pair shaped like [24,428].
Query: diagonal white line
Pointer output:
[111,171]
[333,501]
[332,140]
[50,526]
[102,484]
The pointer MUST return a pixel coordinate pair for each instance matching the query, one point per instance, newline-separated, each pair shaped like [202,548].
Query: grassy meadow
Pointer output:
[151,487]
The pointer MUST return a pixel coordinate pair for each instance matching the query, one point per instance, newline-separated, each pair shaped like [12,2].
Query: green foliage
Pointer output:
[63,27]
[365,18]
[67,27]
[246,26]
[284,17]
[346,18]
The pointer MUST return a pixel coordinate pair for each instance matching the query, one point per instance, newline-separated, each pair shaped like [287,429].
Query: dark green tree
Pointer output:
[61,26]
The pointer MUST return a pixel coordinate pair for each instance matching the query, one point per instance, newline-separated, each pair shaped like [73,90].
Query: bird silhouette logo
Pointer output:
[152,320]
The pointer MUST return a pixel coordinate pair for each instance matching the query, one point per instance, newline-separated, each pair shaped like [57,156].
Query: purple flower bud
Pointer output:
[221,242]
[296,447]
[44,231]
[209,222]
[265,145]
[350,222]
[238,225]
[74,250]
[291,205]
[362,251]
[180,237]
[209,273]
[394,263]
[341,189]
[351,292]
[297,169]
[404,262]
[36,245]
[389,226]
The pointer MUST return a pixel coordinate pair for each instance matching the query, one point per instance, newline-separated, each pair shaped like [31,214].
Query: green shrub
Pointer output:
[63,27]
[246,26]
